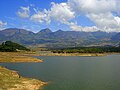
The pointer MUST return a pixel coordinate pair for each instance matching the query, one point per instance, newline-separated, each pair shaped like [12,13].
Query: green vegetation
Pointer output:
[9,46]
[88,50]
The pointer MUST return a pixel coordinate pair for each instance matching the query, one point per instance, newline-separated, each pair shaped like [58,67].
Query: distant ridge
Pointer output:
[116,37]
[58,38]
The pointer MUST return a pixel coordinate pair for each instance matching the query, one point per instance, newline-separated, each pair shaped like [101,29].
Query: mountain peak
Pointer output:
[14,31]
[59,30]
[45,31]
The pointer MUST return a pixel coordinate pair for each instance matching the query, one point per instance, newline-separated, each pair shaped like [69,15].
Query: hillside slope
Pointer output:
[56,39]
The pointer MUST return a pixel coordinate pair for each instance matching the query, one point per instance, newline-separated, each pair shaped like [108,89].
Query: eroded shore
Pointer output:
[11,80]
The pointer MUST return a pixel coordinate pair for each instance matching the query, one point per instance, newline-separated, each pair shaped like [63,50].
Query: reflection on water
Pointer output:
[74,73]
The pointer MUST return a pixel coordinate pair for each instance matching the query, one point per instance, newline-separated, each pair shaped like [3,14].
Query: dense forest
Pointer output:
[88,50]
[10,46]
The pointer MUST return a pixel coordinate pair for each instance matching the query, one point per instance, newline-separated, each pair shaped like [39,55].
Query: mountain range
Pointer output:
[60,38]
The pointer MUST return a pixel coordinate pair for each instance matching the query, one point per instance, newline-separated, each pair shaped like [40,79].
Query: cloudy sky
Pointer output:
[76,15]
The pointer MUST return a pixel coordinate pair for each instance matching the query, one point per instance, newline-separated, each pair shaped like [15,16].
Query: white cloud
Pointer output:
[61,12]
[104,20]
[76,27]
[58,12]
[84,29]
[2,23]
[99,12]
[24,12]
[92,6]
[39,17]
[118,20]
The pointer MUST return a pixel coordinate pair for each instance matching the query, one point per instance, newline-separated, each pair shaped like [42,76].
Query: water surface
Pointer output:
[73,73]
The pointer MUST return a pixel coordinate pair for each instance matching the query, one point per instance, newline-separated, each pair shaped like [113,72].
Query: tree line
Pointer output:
[88,50]
[10,46]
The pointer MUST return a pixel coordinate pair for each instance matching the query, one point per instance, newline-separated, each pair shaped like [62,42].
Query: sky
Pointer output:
[67,15]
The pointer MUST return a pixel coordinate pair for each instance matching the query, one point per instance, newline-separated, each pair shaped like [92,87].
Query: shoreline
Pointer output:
[65,54]
[26,57]
[16,57]
[49,53]
[11,80]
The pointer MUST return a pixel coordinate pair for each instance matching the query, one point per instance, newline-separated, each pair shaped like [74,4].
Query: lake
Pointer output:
[73,73]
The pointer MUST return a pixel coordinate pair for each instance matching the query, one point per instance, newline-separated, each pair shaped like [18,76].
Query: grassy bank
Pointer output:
[16,57]
[11,80]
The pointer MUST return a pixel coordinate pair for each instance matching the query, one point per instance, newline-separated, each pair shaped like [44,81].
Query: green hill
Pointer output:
[10,46]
